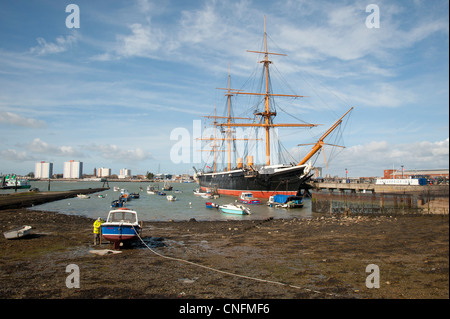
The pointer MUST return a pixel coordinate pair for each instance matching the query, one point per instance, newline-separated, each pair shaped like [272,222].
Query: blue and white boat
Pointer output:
[285,201]
[122,225]
[234,209]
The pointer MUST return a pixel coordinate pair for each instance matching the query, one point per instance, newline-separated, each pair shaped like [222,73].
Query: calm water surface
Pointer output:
[158,208]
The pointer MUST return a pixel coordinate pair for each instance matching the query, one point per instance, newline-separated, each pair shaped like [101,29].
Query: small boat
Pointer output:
[171,198]
[167,187]
[122,225]
[18,232]
[285,201]
[125,195]
[116,188]
[151,190]
[83,196]
[117,203]
[247,198]
[161,194]
[198,192]
[134,195]
[234,209]
[211,205]
[102,195]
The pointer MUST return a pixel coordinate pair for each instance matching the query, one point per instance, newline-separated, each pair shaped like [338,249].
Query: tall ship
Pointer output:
[241,173]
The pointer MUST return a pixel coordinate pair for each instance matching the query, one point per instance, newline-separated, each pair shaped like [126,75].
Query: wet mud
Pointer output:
[317,258]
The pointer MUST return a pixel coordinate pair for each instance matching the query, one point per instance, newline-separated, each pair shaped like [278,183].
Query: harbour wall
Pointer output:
[424,200]
[29,199]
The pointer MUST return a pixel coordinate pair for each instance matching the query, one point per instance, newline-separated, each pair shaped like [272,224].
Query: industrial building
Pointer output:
[43,170]
[73,169]
[416,173]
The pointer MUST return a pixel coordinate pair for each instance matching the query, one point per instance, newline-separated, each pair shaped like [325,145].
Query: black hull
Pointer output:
[289,181]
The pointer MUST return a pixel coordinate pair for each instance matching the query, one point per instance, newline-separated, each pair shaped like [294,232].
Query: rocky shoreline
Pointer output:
[319,258]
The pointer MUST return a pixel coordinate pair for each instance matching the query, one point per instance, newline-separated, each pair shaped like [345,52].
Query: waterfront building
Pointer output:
[414,173]
[73,169]
[43,170]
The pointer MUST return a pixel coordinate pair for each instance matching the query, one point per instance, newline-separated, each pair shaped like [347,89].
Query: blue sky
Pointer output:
[110,92]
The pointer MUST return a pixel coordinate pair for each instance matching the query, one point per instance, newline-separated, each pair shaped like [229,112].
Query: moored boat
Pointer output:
[198,192]
[234,209]
[152,190]
[167,187]
[211,205]
[121,226]
[247,198]
[18,232]
[117,203]
[171,198]
[285,201]
[83,196]
[11,181]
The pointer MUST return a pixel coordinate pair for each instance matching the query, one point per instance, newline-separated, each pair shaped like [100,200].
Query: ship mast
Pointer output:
[229,132]
[267,115]
[320,143]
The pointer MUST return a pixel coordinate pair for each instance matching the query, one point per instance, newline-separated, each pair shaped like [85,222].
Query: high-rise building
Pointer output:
[103,172]
[73,169]
[43,170]
[125,173]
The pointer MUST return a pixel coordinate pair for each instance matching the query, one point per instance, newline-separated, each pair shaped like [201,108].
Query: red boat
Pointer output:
[247,198]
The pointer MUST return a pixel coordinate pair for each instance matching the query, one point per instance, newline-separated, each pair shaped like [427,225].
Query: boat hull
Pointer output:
[18,232]
[232,211]
[263,185]
[119,233]
[250,201]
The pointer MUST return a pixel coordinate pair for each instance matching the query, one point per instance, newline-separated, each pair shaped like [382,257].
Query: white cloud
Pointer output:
[143,41]
[118,153]
[383,95]
[376,156]
[10,118]
[61,44]
[16,156]
[40,147]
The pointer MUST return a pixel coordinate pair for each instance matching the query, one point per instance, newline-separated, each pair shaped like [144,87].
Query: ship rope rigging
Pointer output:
[264,109]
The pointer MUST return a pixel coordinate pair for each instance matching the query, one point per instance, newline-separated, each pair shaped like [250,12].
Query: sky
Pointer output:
[130,81]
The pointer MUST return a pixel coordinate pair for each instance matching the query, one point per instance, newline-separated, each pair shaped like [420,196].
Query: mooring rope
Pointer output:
[229,273]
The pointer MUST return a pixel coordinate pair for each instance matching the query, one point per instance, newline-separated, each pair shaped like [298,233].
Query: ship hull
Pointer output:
[262,184]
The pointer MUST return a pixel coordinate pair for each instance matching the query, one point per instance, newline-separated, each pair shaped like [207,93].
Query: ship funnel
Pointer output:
[249,160]
[239,162]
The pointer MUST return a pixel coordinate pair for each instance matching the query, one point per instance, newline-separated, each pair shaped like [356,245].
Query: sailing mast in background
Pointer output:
[267,115]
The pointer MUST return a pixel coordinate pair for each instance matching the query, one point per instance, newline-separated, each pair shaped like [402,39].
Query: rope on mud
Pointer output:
[229,273]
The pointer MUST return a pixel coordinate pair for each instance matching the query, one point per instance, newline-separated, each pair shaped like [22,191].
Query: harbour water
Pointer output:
[155,207]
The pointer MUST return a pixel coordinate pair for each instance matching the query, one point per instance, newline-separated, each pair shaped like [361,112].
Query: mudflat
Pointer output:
[317,258]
